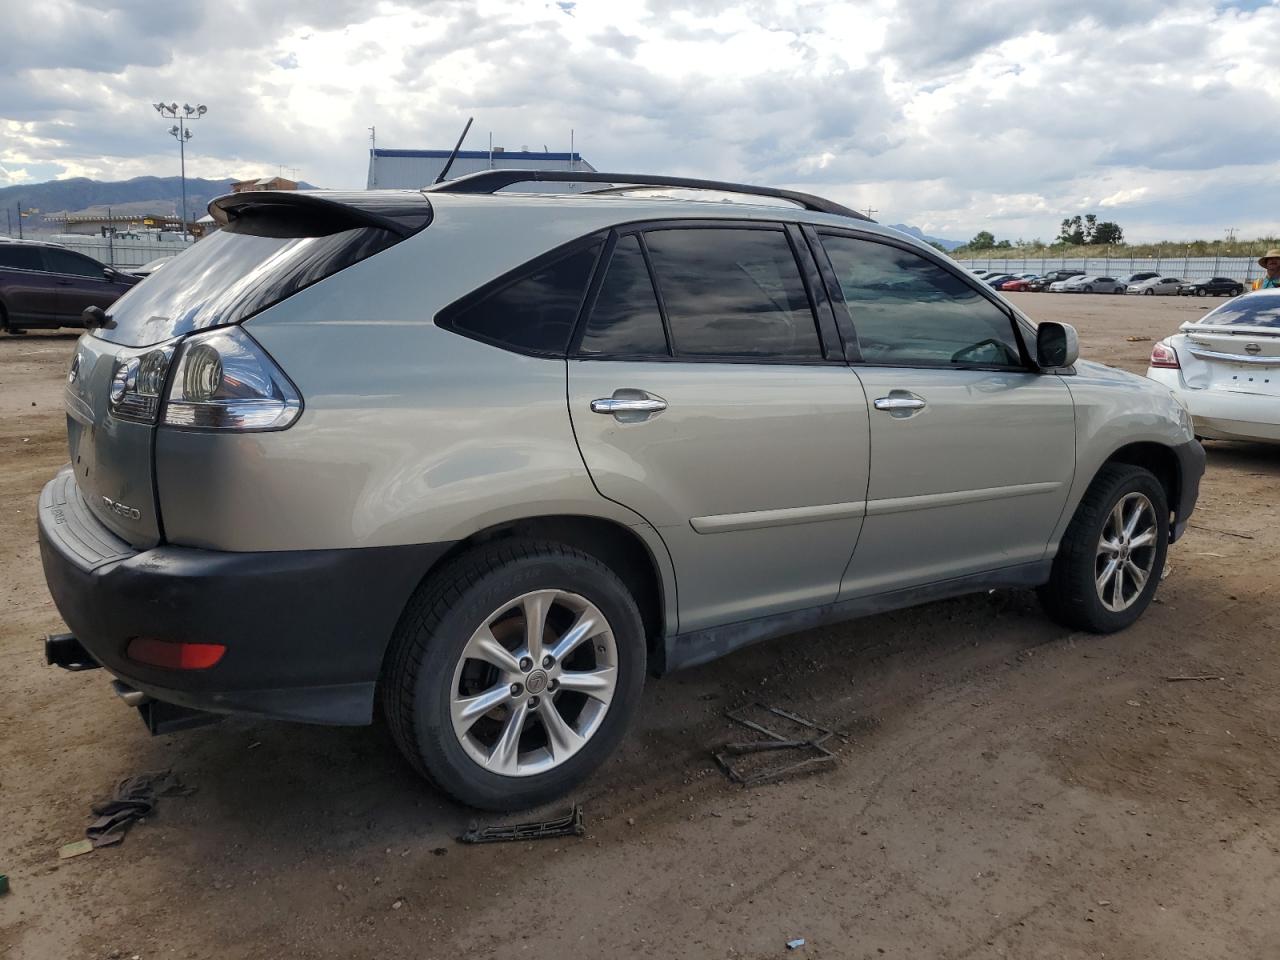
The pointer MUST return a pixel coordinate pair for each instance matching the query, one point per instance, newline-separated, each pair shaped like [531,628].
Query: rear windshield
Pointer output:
[1258,311]
[231,275]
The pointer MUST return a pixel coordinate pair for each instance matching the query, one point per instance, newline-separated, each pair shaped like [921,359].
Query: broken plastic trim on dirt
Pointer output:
[570,825]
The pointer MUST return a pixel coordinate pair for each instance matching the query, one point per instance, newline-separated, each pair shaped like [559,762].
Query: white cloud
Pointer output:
[1004,115]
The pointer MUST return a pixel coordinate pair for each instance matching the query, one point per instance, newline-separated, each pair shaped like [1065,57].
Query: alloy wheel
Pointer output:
[1126,552]
[533,683]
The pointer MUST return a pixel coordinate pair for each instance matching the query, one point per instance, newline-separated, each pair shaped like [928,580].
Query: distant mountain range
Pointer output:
[140,195]
[921,235]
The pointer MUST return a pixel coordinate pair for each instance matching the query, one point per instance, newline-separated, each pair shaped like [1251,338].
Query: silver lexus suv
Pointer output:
[479,461]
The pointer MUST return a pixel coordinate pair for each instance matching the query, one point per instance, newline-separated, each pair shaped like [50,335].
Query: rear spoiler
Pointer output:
[318,212]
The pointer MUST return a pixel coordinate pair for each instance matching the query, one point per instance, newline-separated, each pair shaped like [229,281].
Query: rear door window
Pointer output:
[733,293]
[534,313]
[909,311]
[19,257]
[625,321]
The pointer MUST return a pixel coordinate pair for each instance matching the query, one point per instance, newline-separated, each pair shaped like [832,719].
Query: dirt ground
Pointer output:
[1007,788]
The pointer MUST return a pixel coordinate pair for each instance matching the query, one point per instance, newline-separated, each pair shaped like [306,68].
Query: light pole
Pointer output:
[180,133]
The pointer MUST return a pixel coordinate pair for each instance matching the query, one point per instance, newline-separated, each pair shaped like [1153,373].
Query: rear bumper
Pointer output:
[305,631]
[1190,469]
[1223,414]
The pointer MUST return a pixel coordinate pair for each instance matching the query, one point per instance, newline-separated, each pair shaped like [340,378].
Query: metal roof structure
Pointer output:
[414,169]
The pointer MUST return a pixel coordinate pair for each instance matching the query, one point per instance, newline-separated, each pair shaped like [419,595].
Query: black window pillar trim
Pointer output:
[819,301]
[657,295]
[840,313]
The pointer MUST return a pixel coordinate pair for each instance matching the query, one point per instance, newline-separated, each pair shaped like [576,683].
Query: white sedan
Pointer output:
[1157,287]
[1225,369]
[1093,284]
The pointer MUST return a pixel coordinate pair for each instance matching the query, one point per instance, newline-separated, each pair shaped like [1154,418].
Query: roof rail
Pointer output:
[491,181]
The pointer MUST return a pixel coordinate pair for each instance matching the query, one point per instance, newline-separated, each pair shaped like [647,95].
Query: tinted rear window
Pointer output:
[231,275]
[23,258]
[533,314]
[626,321]
[733,293]
[1259,311]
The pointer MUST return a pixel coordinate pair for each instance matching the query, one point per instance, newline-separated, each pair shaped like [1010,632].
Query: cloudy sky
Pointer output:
[1004,115]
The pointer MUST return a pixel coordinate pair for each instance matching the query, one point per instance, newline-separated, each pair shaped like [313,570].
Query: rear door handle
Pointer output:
[894,404]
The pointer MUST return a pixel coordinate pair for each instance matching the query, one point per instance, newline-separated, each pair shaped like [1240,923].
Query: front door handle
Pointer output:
[893,404]
[629,405]
[615,405]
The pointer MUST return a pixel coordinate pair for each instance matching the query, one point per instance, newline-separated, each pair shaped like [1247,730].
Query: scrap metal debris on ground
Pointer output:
[570,825]
[134,798]
[819,755]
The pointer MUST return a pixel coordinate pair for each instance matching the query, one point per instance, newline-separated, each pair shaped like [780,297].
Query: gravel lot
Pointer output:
[1006,789]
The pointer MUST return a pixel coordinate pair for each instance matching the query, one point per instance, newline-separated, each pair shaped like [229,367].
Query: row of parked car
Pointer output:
[1149,284]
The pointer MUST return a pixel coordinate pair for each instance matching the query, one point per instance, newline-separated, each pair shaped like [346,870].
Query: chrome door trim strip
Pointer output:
[786,516]
[877,508]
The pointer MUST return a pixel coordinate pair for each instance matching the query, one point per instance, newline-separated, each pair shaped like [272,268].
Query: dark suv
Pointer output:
[1215,286]
[45,285]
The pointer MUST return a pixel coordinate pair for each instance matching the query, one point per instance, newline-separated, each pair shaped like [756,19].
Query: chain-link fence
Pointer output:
[1244,269]
[122,253]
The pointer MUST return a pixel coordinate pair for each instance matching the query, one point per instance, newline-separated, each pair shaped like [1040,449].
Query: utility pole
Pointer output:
[373,158]
[21,214]
[869,211]
[180,133]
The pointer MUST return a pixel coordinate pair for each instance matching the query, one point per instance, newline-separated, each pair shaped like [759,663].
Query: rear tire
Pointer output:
[490,596]
[1079,594]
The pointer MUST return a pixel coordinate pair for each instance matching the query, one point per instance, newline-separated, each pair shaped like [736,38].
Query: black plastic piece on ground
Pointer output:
[570,825]
[161,717]
[65,651]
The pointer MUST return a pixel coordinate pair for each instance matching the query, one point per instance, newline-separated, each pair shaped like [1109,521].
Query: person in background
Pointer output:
[1270,262]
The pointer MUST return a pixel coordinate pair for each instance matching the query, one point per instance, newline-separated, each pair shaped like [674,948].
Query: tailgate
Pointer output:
[111,458]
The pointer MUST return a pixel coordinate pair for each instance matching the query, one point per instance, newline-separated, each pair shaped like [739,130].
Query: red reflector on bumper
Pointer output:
[175,655]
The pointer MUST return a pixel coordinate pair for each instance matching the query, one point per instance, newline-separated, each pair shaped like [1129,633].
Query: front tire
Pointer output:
[514,673]
[1202,292]
[1111,558]
[1148,293]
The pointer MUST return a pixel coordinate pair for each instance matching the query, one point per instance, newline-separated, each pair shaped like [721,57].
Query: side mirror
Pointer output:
[95,318]
[111,273]
[1057,345]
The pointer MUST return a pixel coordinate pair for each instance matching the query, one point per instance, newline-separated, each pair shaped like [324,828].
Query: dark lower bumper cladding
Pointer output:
[1191,462]
[305,631]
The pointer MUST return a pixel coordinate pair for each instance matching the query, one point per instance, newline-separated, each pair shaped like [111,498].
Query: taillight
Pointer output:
[137,384]
[1163,355]
[175,654]
[222,380]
